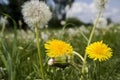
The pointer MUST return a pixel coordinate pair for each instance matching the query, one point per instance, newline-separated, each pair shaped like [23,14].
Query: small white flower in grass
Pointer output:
[36,11]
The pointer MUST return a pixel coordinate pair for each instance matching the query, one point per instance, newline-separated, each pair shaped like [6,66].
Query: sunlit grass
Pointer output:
[27,68]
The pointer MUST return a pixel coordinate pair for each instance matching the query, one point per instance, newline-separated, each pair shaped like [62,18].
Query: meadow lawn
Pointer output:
[19,58]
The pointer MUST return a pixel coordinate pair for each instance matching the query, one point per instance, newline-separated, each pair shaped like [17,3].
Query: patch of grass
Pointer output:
[24,63]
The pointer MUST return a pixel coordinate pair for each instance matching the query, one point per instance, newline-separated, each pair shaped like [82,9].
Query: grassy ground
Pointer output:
[19,59]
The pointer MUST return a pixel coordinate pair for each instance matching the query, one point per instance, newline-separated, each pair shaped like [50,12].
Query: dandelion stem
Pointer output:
[89,41]
[98,71]
[93,29]
[39,53]
[79,55]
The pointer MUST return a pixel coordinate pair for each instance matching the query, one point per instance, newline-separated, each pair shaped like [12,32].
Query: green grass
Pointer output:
[19,59]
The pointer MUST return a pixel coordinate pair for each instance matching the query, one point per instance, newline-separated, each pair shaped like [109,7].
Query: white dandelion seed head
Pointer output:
[35,11]
[100,3]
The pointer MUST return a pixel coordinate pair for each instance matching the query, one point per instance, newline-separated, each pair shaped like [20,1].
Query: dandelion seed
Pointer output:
[99,50]
[36,11]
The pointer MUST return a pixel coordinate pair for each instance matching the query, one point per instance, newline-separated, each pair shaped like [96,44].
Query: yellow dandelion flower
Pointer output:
[57,48]
[99,50]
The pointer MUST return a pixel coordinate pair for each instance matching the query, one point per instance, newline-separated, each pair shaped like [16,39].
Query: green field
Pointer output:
[19,58]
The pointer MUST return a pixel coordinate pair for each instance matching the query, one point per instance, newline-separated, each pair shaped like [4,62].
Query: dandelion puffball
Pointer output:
[36,11]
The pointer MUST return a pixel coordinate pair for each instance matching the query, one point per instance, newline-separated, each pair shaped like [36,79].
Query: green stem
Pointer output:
[63,74]
[39,54]
[79,55]
[93,29]
[83,35]
[3,28]
[89,41]
[2,31]
[98,72]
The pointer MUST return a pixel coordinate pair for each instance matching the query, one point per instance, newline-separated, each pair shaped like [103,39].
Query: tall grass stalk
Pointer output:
[2,56]
[7,56]
[39,51]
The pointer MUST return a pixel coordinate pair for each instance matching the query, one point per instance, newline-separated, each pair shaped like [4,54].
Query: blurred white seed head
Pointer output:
[3,20]
[62,22]
[84,29]
[20,47]
[44,36]
[102,23]
[51,61]
[72,31]
[35,11]
[46,26]
[35,40]
[100,3]
[28,58]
